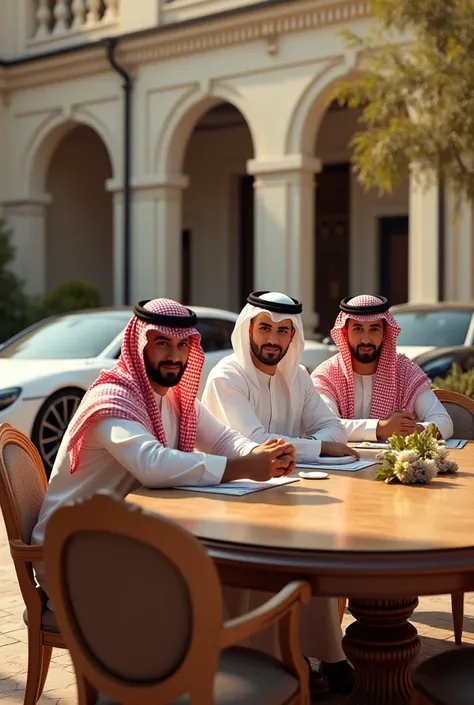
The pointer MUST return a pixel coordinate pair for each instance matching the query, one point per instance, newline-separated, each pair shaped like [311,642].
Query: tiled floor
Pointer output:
[432,619]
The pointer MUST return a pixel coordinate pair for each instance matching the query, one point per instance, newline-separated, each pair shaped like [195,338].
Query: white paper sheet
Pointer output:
[347,467]
[450,443]
[241,487]
[371,444]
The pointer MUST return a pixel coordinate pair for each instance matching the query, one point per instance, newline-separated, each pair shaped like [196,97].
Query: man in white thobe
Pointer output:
[264,392]
[140,423]
[375,390]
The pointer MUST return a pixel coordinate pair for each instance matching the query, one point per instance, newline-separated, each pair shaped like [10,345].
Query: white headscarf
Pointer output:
[288,367]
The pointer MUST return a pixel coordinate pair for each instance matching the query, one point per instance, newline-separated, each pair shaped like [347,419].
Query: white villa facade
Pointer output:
[239,173]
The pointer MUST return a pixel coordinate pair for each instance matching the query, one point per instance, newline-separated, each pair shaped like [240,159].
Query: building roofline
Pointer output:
[148,31]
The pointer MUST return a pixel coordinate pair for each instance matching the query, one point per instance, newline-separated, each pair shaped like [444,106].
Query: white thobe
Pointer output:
[302,418]
[121,456]
[428,409]
[305,421]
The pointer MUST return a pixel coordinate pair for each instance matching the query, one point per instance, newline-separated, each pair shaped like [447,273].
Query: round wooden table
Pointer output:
[380,545]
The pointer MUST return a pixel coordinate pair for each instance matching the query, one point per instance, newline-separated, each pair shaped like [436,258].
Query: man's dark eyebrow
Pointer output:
[160,336]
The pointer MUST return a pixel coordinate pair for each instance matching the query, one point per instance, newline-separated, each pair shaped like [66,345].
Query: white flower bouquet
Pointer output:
[415,459]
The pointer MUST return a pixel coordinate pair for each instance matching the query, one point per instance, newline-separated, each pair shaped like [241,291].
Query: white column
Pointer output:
[155,248]
[284,228]
[26,219]
[459,249]
[423,243]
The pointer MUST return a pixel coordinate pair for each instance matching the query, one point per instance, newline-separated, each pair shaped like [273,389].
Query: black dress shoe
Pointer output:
[340,676]
[318,684]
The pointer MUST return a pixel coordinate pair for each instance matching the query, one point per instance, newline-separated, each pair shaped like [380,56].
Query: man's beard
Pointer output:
[365,357]
[268,354]
[160,375]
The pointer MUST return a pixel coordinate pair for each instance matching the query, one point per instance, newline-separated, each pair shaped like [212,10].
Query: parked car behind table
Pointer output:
[438,362]
[45,369]
[426,327]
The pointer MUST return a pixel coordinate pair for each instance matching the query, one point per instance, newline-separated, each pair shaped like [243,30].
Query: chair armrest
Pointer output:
[21,551]
[291,597]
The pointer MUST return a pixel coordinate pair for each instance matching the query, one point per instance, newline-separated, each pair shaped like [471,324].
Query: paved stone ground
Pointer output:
[432,619]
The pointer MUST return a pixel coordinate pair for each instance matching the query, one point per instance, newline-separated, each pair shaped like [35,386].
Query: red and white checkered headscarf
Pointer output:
[125,392]
[398,380]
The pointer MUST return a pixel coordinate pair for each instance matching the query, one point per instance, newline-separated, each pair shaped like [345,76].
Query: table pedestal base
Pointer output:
[381,644]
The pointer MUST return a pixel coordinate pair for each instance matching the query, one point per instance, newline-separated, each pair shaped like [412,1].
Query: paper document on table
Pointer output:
[371,444]
[347,467]
[241,487]
[455,443]
[451,443]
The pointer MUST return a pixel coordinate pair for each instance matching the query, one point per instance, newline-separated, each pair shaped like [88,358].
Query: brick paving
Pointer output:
[432,619]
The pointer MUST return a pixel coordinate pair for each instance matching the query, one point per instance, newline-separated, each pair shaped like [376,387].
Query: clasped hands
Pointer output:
[402,423]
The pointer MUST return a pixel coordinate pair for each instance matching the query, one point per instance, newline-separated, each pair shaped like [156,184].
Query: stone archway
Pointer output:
[350,223]
[79,220]
[218,211]
[361,238]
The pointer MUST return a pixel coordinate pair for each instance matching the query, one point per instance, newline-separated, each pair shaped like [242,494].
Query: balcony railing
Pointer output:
[57,19]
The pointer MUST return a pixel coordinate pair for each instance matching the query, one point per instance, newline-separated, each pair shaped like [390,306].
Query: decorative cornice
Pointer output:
[64,67]
[265,25]
[209,33]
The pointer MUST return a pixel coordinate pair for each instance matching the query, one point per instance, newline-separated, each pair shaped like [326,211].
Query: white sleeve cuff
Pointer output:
[214,468]
[311,452]
[371,427]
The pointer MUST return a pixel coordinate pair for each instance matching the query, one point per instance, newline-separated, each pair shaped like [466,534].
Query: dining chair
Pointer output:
[139,603]
[445,679]
[461,410]
[23,485]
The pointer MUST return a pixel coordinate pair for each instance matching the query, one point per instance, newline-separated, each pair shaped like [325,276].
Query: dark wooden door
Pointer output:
[332,199]
[246,237]
[393,234]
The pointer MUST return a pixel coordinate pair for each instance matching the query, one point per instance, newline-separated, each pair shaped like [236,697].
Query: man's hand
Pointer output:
[273,458]
[401,422]
[337,450]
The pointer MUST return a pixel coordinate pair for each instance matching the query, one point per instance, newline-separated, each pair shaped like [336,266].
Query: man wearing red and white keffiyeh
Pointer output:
[375,390]
[140,423]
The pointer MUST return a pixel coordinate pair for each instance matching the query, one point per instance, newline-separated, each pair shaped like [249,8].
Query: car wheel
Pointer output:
[51,423]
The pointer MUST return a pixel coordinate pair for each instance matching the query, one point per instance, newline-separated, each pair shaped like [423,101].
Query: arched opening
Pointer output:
[218,211]
[361,238]
[79,223]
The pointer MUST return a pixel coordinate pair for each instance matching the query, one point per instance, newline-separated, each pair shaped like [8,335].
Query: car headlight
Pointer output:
[8,397]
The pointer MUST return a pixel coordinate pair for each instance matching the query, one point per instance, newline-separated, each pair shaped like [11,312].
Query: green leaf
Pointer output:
[416,96]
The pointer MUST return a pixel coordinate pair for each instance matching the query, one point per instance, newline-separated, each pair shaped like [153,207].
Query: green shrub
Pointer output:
[13,301]
[457,381]
[17,310]
[71,295]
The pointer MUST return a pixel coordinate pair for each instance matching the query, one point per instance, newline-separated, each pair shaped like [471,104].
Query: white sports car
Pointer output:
[45,369]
